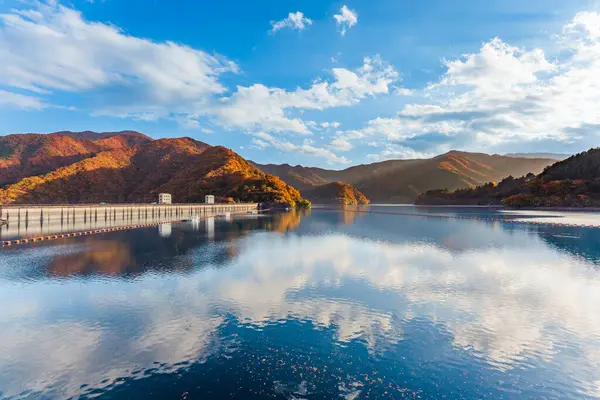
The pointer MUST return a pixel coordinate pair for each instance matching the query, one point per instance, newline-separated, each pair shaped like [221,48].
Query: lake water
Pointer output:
[327,304]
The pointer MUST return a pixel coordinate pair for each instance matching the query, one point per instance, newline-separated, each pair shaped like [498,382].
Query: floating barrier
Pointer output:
[462,217]
[83,233]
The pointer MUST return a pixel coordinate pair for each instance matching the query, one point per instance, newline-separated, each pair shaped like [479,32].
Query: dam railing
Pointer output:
[22,221]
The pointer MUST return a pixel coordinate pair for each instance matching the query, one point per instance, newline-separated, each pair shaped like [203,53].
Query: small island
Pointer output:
[336,193]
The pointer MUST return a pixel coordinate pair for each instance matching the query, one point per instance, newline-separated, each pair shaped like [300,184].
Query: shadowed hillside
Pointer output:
[574,182]
[128,167]
[402,181]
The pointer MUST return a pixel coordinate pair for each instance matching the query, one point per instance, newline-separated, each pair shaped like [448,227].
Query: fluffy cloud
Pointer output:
[505,95]
[396,152]
[263,140]
[53,48]
[260,144]
[341,144]
[10,99]
[393,132]
[130,77]
[295,20]
[345,19]
[327,125]
[490,100]
[586,24]
[259,107]
[496,68]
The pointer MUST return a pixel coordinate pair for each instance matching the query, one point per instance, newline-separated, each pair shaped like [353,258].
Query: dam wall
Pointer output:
[23,221]
[96,212]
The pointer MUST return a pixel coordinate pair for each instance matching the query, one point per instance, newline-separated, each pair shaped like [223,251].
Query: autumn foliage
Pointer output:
[574,182]
[402,181]
[336,193]
[89,167]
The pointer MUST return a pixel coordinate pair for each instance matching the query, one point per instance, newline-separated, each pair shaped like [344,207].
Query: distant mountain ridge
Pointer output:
[131,136]
[79,167]
[574,182]
[402,181]
[552,156]
[130,166]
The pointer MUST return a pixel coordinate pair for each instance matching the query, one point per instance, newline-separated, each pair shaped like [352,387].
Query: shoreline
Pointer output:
[572,209]
[499,207]
[578,209]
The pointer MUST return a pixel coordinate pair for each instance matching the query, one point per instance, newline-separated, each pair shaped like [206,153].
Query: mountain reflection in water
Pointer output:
[314,304]
[126,255]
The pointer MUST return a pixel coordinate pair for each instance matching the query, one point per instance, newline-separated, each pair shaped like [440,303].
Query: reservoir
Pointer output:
[321,304]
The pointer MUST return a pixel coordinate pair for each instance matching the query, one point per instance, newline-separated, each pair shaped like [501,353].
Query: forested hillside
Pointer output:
[88,167]
[574,182]
[335,193]
[402,181]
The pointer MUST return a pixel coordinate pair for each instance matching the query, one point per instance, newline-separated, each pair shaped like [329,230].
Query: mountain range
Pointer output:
[552,156]
[402,181]
[574,182]
[127,166]
[89,167]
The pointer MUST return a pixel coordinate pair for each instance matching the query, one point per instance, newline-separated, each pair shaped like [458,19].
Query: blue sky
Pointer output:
[318,83]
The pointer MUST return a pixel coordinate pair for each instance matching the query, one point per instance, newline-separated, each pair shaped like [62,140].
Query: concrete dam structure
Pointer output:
[22,221]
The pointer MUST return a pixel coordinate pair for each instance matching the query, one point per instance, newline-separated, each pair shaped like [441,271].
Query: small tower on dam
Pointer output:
[209,199]
[164,198]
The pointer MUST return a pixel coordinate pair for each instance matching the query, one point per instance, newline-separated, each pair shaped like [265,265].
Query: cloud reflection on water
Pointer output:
[507,304]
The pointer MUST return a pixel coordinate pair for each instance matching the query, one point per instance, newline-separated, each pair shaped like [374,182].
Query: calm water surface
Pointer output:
[324,305]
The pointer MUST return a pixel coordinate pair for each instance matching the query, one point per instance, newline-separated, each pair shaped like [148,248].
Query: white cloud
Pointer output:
[47,48]
[586,24]
[259,107]
[397,152]
[346,19]
[10,99]
[497,67]
[261,144]
[497,97]
[505,95]
[327,125]
[295,20]
[392,130]
[53,48]
[263,140]
[183,120]
[341,144]
[403,91]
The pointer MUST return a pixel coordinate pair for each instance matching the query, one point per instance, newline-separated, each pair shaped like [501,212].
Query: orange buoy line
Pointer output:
[96,231]
[489,219]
